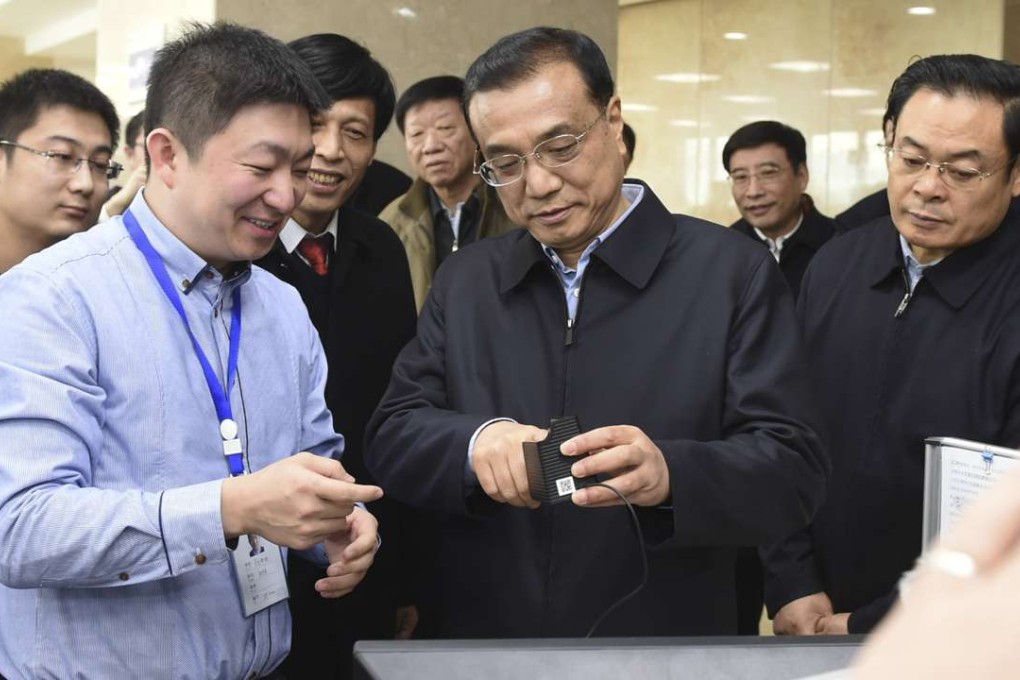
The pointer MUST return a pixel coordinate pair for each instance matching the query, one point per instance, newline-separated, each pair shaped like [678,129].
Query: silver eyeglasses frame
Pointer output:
[954,175]
[67,164]
[487,169]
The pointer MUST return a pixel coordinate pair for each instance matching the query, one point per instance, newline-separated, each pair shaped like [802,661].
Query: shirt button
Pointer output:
[185,284]
[124,576]
[199,559]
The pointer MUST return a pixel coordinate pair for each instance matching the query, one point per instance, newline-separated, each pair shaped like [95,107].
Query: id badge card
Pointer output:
[258,564]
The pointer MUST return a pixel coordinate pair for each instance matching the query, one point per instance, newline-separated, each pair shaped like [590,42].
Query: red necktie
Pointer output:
[316,252]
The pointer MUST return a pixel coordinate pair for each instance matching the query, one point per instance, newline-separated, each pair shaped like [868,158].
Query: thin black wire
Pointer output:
[644,562]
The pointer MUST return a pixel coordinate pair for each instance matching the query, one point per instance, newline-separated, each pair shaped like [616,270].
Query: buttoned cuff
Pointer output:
[191,523]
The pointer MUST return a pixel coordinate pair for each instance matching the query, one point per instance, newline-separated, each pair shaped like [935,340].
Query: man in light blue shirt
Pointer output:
[141,432]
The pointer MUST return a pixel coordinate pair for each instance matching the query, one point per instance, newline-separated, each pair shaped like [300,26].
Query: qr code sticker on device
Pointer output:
[565,486]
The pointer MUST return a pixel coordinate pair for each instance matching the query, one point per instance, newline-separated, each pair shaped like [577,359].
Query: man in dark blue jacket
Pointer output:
[767,165]
[912,331]
[666,336]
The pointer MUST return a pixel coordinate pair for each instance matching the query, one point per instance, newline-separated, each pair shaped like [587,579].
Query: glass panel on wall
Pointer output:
[691,72]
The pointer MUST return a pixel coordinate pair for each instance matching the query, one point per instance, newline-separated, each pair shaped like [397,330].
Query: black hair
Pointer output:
[200,81]
[346,70]
[134,126]
[518,57]
[762,132]
[432,89]
[26,95]
[963,74]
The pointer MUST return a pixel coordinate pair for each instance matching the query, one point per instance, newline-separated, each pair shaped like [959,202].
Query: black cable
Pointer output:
[644,562]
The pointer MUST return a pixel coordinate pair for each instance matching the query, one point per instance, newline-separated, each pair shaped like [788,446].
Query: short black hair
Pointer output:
[26,95]
[432,89]
[346,70]
[519,56]
[134,126]
[762,132]
[963,74]
[200,81]
[629,140]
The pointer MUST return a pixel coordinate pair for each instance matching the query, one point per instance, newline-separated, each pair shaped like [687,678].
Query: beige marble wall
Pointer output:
[443,36]
[823,66]
[125,29]
[13,59]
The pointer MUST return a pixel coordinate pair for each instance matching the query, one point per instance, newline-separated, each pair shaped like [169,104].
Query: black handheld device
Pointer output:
[549,470]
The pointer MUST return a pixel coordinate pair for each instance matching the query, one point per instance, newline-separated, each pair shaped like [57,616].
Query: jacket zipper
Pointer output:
[907,297]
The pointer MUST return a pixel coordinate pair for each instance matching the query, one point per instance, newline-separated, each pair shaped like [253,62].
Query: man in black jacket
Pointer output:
[665,335]
[767,166]
[352,274]
[912,331]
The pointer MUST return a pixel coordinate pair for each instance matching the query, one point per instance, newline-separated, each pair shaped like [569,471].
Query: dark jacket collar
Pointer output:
[633,251]
[437,209]
[956,278]
[816,230]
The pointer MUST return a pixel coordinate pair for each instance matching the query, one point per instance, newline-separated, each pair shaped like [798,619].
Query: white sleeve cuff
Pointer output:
[469,472]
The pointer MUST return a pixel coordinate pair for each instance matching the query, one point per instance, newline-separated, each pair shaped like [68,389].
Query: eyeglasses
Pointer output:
[552,153]
[957,176]
[65,164]
[769,174]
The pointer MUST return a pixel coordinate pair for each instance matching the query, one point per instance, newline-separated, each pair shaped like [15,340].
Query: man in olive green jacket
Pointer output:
[447,206]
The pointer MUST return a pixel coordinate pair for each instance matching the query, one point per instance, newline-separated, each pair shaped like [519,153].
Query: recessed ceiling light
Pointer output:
[405,12]
[688,78]
[800,66]
[873,112]
[747,99]
[735,35]
[850,92]
[683,123]
[921,11]
[639,107]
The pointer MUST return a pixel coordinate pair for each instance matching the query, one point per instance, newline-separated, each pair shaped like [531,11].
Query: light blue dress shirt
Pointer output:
[915,270]
[571,278]
[112,557]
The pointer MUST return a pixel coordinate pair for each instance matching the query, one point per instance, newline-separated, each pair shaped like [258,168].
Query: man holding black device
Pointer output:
[664,335]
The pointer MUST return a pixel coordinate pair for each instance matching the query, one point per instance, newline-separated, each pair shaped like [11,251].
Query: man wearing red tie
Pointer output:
[352,274]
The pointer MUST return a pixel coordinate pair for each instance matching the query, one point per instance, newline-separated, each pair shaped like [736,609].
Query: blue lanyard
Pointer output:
[228,426]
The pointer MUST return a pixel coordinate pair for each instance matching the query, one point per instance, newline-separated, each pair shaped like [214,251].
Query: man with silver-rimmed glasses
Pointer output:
[664,335]
[912,331]
[58,134]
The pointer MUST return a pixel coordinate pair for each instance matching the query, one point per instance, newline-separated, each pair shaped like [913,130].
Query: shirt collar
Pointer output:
[438,208]
[293,233]
[915,270]
[632,193]
[186,268]
[776,246]
[957,276]
[633,257]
